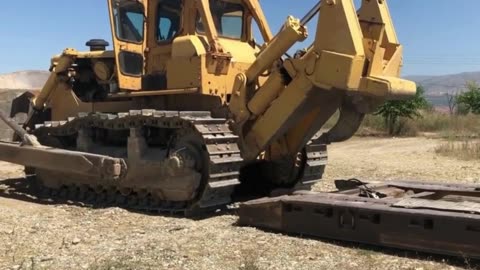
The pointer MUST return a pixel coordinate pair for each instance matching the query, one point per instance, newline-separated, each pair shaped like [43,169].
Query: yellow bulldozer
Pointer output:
[189,107]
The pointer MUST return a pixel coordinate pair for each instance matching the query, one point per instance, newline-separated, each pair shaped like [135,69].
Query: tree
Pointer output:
[469,100]
[452,102]
[393,110]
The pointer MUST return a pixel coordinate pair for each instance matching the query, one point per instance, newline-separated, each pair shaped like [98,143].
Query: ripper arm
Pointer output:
[353,66]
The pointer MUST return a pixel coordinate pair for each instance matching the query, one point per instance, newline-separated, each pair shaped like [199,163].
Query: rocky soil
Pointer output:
[57,236]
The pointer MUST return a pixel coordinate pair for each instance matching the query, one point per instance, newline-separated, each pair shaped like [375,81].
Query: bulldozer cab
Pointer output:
[144,33]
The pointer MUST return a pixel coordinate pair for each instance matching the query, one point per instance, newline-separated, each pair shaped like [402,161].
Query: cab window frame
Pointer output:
[245,16]
[116,12]
[158,18]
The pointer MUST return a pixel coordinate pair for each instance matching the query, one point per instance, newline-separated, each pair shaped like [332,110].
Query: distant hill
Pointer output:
[440,85]
[434,85]
[13,85]
[26,80]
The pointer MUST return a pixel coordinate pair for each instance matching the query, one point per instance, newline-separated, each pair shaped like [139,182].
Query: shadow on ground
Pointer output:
[367,250]
[28,190]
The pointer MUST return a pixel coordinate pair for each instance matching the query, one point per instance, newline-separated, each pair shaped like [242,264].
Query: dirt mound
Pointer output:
[6,97]
[30,79]
[439,85]
[14,84]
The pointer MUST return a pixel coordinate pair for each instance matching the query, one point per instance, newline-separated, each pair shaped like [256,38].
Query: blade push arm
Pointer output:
[58,77]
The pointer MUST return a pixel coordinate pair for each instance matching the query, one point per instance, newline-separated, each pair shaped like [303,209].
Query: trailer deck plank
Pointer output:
[466,207]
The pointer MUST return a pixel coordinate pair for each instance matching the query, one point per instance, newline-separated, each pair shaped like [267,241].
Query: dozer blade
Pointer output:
[425,217]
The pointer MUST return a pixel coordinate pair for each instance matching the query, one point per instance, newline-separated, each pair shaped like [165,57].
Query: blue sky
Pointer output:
[440,36]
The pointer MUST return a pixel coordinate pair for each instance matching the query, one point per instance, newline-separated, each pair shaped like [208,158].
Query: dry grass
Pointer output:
[444,125]
[466,150]
[448,126]
[250,263]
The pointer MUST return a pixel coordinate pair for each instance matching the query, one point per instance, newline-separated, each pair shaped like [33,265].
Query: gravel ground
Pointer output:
[39,236]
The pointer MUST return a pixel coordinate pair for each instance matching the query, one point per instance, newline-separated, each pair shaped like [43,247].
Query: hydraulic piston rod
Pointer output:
[311,14]
[291,33]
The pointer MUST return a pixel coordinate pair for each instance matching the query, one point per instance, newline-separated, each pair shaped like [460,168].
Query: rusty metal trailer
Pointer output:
[428,217]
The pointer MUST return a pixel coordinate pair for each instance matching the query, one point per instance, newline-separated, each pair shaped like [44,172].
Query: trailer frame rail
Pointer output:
[427,217]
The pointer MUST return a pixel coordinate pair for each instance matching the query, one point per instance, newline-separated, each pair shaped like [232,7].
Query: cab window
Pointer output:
[129,20]
[169,19]
[228,18]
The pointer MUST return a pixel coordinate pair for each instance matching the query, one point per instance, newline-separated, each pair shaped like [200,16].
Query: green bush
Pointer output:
[469,101]
[395,111]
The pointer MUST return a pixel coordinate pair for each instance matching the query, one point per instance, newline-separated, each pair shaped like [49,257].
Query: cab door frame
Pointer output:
[129,54]
[160,51]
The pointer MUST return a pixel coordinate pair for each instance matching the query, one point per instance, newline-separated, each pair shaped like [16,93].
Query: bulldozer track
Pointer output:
[220,143]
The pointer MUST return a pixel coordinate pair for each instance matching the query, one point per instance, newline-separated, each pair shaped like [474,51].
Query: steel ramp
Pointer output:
[426,217]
